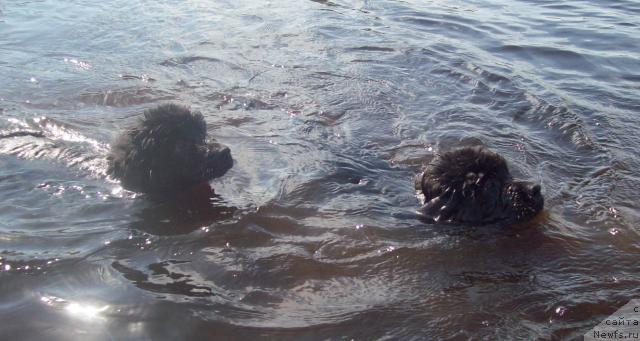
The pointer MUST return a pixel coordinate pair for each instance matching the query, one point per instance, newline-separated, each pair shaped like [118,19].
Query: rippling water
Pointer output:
[330,108]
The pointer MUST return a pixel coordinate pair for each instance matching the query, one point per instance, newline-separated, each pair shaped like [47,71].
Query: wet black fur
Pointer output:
[166,152]
[473,185]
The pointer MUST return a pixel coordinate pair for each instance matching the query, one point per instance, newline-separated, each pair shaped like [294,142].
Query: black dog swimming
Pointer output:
[167,153]
[473,185]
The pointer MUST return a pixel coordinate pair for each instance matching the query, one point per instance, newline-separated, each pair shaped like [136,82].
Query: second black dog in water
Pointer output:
[473,185]
[167,152]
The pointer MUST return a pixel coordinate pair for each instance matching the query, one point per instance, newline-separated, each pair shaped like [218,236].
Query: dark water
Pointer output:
[330,108]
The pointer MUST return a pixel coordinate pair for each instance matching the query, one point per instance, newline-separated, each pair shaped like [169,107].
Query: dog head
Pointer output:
[473,185]
[167,152]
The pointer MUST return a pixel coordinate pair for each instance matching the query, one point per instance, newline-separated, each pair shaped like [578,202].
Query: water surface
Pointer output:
[330,108]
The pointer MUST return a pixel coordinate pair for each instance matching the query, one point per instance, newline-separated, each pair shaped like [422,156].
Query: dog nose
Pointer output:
[535,189]
[225,151]
[218,149]
[224,155]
